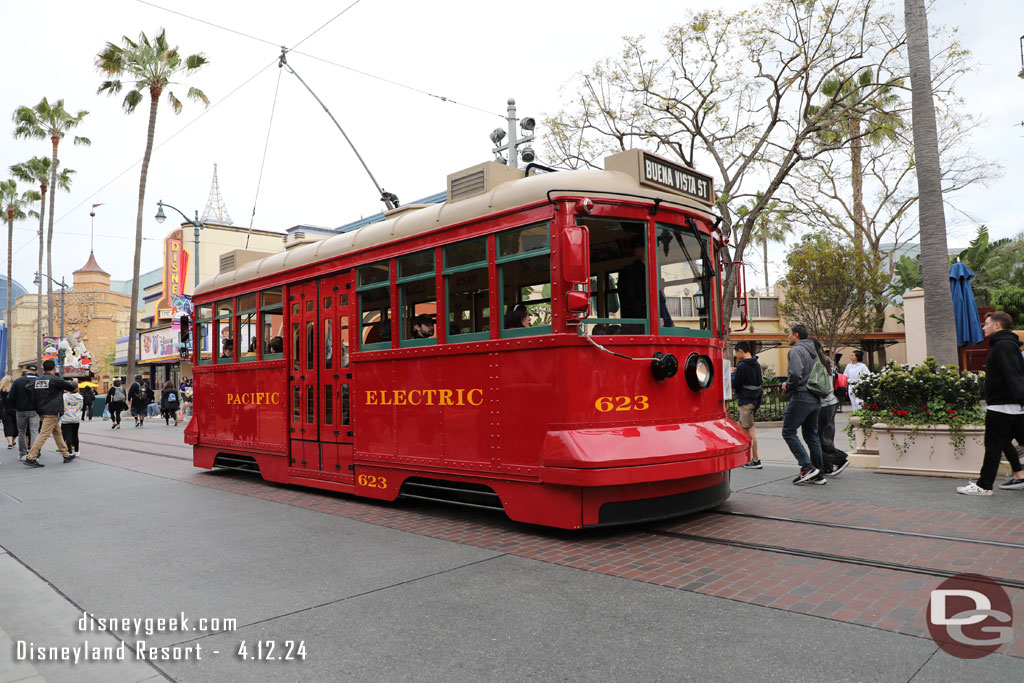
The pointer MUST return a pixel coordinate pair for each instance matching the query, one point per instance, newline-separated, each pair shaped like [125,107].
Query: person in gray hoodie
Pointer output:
[803,408]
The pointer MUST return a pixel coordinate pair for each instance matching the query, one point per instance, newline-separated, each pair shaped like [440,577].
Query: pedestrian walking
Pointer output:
[139,398]
[48,399]
[834,461]
[170,401]
[1004,412]
[8,412]
[747,385]
[25,413]
[116,403]
[186,391]
[803,408]
[855,372]
[88,397]
[74,403]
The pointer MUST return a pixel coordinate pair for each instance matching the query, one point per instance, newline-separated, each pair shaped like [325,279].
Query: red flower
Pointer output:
[951,412]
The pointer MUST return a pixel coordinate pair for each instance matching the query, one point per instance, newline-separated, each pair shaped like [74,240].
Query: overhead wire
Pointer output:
[263,163]
[383,79]
[174,135]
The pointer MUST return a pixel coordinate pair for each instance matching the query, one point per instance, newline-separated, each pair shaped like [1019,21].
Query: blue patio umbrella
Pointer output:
[965,311]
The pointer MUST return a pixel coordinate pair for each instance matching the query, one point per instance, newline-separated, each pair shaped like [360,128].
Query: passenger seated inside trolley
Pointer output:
[228,348]
[423,326]
[517,316]
[275,345]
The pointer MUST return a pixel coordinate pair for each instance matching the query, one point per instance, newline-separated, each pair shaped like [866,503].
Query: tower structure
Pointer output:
[216,211]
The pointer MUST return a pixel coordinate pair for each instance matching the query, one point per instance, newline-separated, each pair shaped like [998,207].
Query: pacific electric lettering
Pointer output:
[256,398]
[425,397]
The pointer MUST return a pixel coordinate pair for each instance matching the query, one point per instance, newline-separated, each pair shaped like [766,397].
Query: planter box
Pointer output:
[865,453]
[928,450]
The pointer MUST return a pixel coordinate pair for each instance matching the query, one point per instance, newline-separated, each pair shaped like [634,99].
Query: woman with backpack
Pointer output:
[834,461]
[170,401]
[116,403]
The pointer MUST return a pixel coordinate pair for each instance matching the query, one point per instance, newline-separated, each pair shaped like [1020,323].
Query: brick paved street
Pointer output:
[876,603]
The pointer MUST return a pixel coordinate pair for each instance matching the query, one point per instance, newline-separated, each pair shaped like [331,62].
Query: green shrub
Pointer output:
[927,394]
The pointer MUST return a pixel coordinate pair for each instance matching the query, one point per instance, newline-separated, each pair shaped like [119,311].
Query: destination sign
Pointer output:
[657,171]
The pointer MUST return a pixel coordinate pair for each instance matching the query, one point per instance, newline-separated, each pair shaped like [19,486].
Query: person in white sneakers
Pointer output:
[1004,398]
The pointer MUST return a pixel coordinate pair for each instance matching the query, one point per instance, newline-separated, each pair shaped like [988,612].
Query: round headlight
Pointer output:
[699,372]
[705,372]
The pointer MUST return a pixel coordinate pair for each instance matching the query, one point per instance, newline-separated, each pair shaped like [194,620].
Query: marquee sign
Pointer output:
[175,267]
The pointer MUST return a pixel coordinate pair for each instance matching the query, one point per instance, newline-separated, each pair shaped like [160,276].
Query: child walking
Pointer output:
[71,418]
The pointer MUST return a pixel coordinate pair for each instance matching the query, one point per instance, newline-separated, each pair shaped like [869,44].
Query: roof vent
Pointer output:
[227,262]
[480,179]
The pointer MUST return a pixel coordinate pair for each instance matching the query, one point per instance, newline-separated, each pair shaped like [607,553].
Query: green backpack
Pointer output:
[819,382]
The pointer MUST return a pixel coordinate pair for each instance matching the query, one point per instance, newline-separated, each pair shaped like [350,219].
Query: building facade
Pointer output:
[94,317]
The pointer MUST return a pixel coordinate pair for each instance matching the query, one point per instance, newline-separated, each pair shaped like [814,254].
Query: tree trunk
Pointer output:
[10,308]
[857,183]
[938,304]
[39,287]
[49,240]
[765,244]
[133,321]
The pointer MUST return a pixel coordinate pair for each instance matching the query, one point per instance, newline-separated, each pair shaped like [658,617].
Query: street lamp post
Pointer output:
[63,286]
[196,223]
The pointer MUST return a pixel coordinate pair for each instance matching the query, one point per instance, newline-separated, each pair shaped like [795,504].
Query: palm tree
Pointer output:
[148,65]
[938,303]
[773,226]
[49,121]
[37,170]
[14,206]
[871,121]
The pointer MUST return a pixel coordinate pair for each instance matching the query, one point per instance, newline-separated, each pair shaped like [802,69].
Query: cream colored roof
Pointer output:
[508,195]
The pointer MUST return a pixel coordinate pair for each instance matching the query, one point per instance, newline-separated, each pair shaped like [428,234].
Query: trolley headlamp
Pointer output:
[699,372]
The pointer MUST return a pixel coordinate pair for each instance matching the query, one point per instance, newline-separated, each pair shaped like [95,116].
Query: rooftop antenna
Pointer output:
[215,208]
[389,198]
[92,225]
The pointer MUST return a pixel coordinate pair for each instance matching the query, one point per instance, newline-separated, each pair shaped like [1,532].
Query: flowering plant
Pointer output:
[926,394]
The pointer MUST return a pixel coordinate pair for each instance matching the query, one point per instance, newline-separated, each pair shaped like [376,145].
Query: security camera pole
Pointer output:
[513,143]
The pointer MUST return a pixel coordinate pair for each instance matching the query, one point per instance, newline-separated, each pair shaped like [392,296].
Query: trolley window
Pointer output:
[466,281]
[618,269]
[247,326]
[271,312]
[374,292]
[524,275]
[204,333]
[225,332]
[684,270]
[417,292]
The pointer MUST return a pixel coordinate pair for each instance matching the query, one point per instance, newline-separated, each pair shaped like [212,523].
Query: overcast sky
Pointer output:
[474,53]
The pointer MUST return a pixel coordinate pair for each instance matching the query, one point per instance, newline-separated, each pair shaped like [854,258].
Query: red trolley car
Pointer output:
[512,348]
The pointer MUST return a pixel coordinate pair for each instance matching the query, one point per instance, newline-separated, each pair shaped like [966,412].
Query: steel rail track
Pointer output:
[895,532]
[830,557]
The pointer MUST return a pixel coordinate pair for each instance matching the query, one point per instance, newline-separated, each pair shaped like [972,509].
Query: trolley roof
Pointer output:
[524,191]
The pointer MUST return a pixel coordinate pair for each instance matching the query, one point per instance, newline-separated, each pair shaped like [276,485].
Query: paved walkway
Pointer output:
[403,591]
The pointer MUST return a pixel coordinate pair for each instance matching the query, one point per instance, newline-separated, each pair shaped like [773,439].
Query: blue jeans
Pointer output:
[802,411]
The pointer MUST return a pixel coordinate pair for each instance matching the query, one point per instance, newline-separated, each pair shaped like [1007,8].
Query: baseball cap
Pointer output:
[32,367]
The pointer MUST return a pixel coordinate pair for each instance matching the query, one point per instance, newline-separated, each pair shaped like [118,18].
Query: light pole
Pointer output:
[1021,74]
[512,146]
[160,218]
[63,286]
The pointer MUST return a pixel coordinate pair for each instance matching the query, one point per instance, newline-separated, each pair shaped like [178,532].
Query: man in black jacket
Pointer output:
[25,412]
[746,384]
[139,397]
[1004,399]
[48,398]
